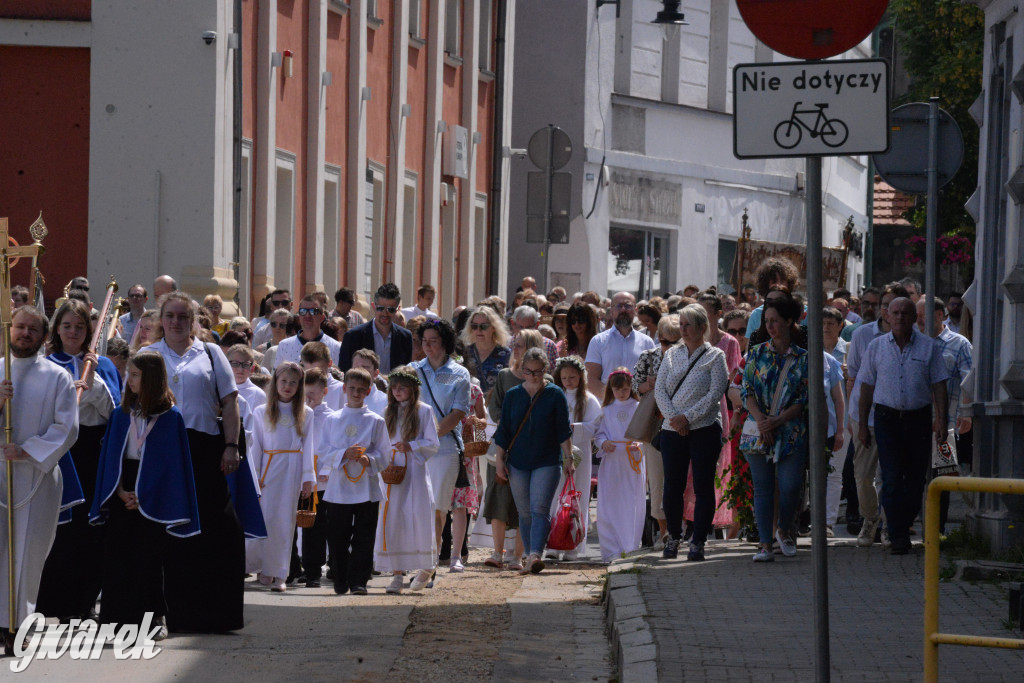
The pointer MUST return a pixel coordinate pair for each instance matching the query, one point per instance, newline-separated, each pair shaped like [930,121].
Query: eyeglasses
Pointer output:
[279,325]
[278,304]
[136,296]
[737,331]
[310,311]
[666,342]
[241,364]
[626,305]
[389,309]
[479,326]
[533,373]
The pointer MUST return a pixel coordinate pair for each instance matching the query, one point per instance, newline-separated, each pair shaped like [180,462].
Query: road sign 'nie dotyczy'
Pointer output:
[798,109]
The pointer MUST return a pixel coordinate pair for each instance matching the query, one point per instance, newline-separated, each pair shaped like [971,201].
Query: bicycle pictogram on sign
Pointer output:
[832,131]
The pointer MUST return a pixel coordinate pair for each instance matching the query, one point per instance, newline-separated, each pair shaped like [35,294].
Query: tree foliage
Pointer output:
[942,44]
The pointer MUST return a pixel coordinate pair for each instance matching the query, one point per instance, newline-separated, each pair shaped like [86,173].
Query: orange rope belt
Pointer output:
[270,460]
[634,454]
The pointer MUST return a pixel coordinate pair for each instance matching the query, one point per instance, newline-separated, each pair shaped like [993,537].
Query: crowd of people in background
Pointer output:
[399,436]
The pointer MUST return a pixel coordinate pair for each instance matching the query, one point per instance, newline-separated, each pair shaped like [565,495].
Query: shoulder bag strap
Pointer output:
[780,385]
[456,433]
[523,423]
[683,379]
[213,371]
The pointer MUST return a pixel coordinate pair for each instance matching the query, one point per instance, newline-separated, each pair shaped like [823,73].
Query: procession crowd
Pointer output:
[198,452]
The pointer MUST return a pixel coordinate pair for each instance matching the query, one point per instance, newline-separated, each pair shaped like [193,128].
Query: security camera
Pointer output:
[209,37]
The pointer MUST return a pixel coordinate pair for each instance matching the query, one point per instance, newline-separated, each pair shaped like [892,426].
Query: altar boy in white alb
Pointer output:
[44,409]
[356,448]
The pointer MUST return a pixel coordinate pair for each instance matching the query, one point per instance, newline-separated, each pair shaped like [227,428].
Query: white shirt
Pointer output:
[290,349]
[376,400]
[416,311]
[192,380]
[252,394]
[611,350]
[261,331]
[699,397]
[335,398]
[353,427]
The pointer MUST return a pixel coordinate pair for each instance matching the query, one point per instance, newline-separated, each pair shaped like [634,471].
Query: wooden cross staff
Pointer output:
[10,253]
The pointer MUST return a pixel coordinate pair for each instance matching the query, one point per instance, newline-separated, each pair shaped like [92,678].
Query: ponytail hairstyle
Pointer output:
[406,377]
[154,395]
[574,363]
[298,402]
[620,377]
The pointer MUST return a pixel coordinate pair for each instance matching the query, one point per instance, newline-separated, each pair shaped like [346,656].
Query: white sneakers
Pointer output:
[786,544]
[456,566]
[866,537]
[395,587]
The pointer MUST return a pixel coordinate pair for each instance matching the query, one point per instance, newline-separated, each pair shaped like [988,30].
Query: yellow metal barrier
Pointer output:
[932,637]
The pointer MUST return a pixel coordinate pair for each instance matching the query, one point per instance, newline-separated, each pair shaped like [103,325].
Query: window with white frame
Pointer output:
[284,221]
[453,27]
[486,18]
[245,228]
[415,18]
[480,247]
[373,227]
[410,233]
[331,248]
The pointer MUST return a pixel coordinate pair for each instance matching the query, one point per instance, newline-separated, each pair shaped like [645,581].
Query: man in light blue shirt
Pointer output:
[904,377]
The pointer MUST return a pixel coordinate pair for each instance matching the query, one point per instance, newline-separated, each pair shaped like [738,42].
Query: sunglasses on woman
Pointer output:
[479,326]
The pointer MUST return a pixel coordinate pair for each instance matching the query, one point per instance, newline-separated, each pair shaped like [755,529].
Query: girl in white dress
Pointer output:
[405,529]
[282,452]
[622,477]
[585,413]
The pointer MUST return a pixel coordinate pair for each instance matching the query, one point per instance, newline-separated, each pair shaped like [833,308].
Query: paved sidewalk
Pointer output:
[731,619]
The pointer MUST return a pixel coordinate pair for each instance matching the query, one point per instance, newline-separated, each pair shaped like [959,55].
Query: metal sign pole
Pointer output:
[933,216]
[817,417]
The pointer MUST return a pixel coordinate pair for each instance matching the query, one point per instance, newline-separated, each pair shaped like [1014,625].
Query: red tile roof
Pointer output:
[890,204]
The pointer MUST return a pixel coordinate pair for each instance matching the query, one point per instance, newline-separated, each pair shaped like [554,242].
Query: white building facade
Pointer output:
[655,145]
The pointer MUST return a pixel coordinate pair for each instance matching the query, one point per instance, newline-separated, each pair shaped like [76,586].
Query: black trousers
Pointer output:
[314,542]
[204,574]
[73,572]
[700,447]
[133,566]
[351,533]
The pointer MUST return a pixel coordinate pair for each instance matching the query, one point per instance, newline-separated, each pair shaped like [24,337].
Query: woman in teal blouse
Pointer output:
[774,438]
[529,442]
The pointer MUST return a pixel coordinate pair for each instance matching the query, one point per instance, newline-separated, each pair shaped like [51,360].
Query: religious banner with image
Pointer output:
[751,253]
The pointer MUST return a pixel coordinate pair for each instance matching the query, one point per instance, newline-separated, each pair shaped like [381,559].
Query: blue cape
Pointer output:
[165,486]
[245,498]
[72,493]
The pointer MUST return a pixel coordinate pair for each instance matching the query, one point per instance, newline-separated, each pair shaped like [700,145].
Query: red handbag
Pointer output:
[568,527]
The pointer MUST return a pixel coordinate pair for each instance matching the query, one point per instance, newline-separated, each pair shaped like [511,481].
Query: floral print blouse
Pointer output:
[761,376]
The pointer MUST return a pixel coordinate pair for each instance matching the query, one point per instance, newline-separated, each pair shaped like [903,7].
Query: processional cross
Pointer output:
[10,253]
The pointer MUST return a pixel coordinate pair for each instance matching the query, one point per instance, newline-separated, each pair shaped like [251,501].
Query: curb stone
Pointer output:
[628,629]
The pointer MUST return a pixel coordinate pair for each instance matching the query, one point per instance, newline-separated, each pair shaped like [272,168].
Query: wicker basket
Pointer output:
[474,440]
[304,519]
[393,474]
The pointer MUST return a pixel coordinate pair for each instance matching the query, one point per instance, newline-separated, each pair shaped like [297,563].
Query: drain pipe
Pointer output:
[497,159]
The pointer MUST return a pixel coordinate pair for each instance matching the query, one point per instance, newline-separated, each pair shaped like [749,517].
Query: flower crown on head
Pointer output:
[574,361]
[403,374]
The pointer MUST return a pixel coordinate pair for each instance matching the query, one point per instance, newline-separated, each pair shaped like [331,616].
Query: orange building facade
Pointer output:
[367,143]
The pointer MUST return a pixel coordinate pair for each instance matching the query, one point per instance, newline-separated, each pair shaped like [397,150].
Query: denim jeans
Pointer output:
[904,456]
[533,491]
[789,472]
[700,448]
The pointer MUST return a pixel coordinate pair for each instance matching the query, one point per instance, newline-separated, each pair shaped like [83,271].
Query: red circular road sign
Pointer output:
[811,29]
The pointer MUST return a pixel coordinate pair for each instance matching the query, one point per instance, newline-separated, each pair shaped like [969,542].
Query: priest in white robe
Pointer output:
[44,410]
